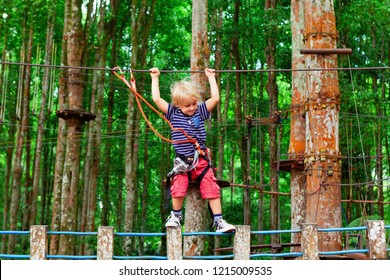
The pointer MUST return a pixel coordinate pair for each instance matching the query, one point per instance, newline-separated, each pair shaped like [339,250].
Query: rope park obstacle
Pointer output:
[276,118]
[375,249]
[66,113]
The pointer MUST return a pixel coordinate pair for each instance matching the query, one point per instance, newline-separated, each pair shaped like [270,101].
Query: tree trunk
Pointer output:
[322,154]
[144,197]
[236,55]
[75,43]
[61,140]
[110,119]
[42,112]
[84,192]
[260,202]
[7,184]
[20,141]
[96,130]
[297,138]
[26,190]
[195,218]
[219,159]
[272,90]
[141,15]
[4,78]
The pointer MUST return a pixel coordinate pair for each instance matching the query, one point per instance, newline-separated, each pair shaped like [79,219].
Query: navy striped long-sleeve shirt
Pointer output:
[193,125]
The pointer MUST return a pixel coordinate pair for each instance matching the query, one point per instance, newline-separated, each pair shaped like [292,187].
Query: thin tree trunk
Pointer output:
[26,212]
[7,184]
[144,197]
[131,147]
[219,163]
[380,144]
[48,163]
[141,15]
[103,39]
[11,136]
[20,141]
[272,90]
[166,149]
[260,203]
[235,51]
[83,191]
[42,112]
[110,113]
[147,25]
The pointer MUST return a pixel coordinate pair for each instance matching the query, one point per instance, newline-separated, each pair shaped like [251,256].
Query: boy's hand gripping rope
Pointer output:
[133,89]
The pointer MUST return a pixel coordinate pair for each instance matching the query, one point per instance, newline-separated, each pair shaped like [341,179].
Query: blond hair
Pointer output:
[185,89]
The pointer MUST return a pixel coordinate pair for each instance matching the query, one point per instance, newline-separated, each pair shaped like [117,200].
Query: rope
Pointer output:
[201,71]
[364,213]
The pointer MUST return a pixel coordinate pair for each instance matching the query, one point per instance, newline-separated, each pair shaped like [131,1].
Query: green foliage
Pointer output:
[359,236]
[360,221]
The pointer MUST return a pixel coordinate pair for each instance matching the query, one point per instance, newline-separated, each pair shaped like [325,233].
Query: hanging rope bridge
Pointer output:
[39,237]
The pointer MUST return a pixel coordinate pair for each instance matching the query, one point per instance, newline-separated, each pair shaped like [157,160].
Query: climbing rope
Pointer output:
[364,212]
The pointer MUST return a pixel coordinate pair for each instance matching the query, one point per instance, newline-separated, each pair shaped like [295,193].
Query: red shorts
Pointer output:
[208,186]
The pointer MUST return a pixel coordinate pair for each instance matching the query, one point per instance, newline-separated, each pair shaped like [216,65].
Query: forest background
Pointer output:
[121,163]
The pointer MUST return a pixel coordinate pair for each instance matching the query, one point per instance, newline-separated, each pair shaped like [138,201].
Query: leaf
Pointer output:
[360,221]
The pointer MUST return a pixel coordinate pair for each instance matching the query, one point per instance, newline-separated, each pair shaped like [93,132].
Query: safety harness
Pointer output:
[182,164]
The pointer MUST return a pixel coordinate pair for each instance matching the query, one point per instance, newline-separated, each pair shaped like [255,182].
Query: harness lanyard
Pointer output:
[133,89]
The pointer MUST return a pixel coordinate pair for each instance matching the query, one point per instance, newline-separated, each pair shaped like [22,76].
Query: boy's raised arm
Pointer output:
[160,103]
[214,91]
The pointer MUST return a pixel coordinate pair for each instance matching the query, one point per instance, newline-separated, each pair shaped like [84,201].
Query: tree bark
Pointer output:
[141,14]
[20,142]
[70,182]
[272,90]
[195,218]
[322,154]
[219,162]
[110,116]
[61,140]
[297,138]
[103,38]
[42,112]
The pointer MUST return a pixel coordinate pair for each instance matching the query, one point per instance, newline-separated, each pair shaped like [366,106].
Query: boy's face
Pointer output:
[188,106]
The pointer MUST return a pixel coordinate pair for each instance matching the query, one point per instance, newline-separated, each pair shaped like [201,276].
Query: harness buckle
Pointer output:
[179,166]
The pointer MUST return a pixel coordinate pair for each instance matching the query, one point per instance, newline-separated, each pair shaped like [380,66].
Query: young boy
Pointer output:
[189,113]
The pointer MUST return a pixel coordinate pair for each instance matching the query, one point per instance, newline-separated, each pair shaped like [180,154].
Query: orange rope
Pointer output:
[138,96]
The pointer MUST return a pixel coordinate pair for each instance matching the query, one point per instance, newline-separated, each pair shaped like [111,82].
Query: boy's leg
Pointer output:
[177,203]
[176,217]
[219,223]
[215,205]
[178,192]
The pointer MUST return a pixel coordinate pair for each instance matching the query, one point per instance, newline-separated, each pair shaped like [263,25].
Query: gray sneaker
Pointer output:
[173,220]
[222,226]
